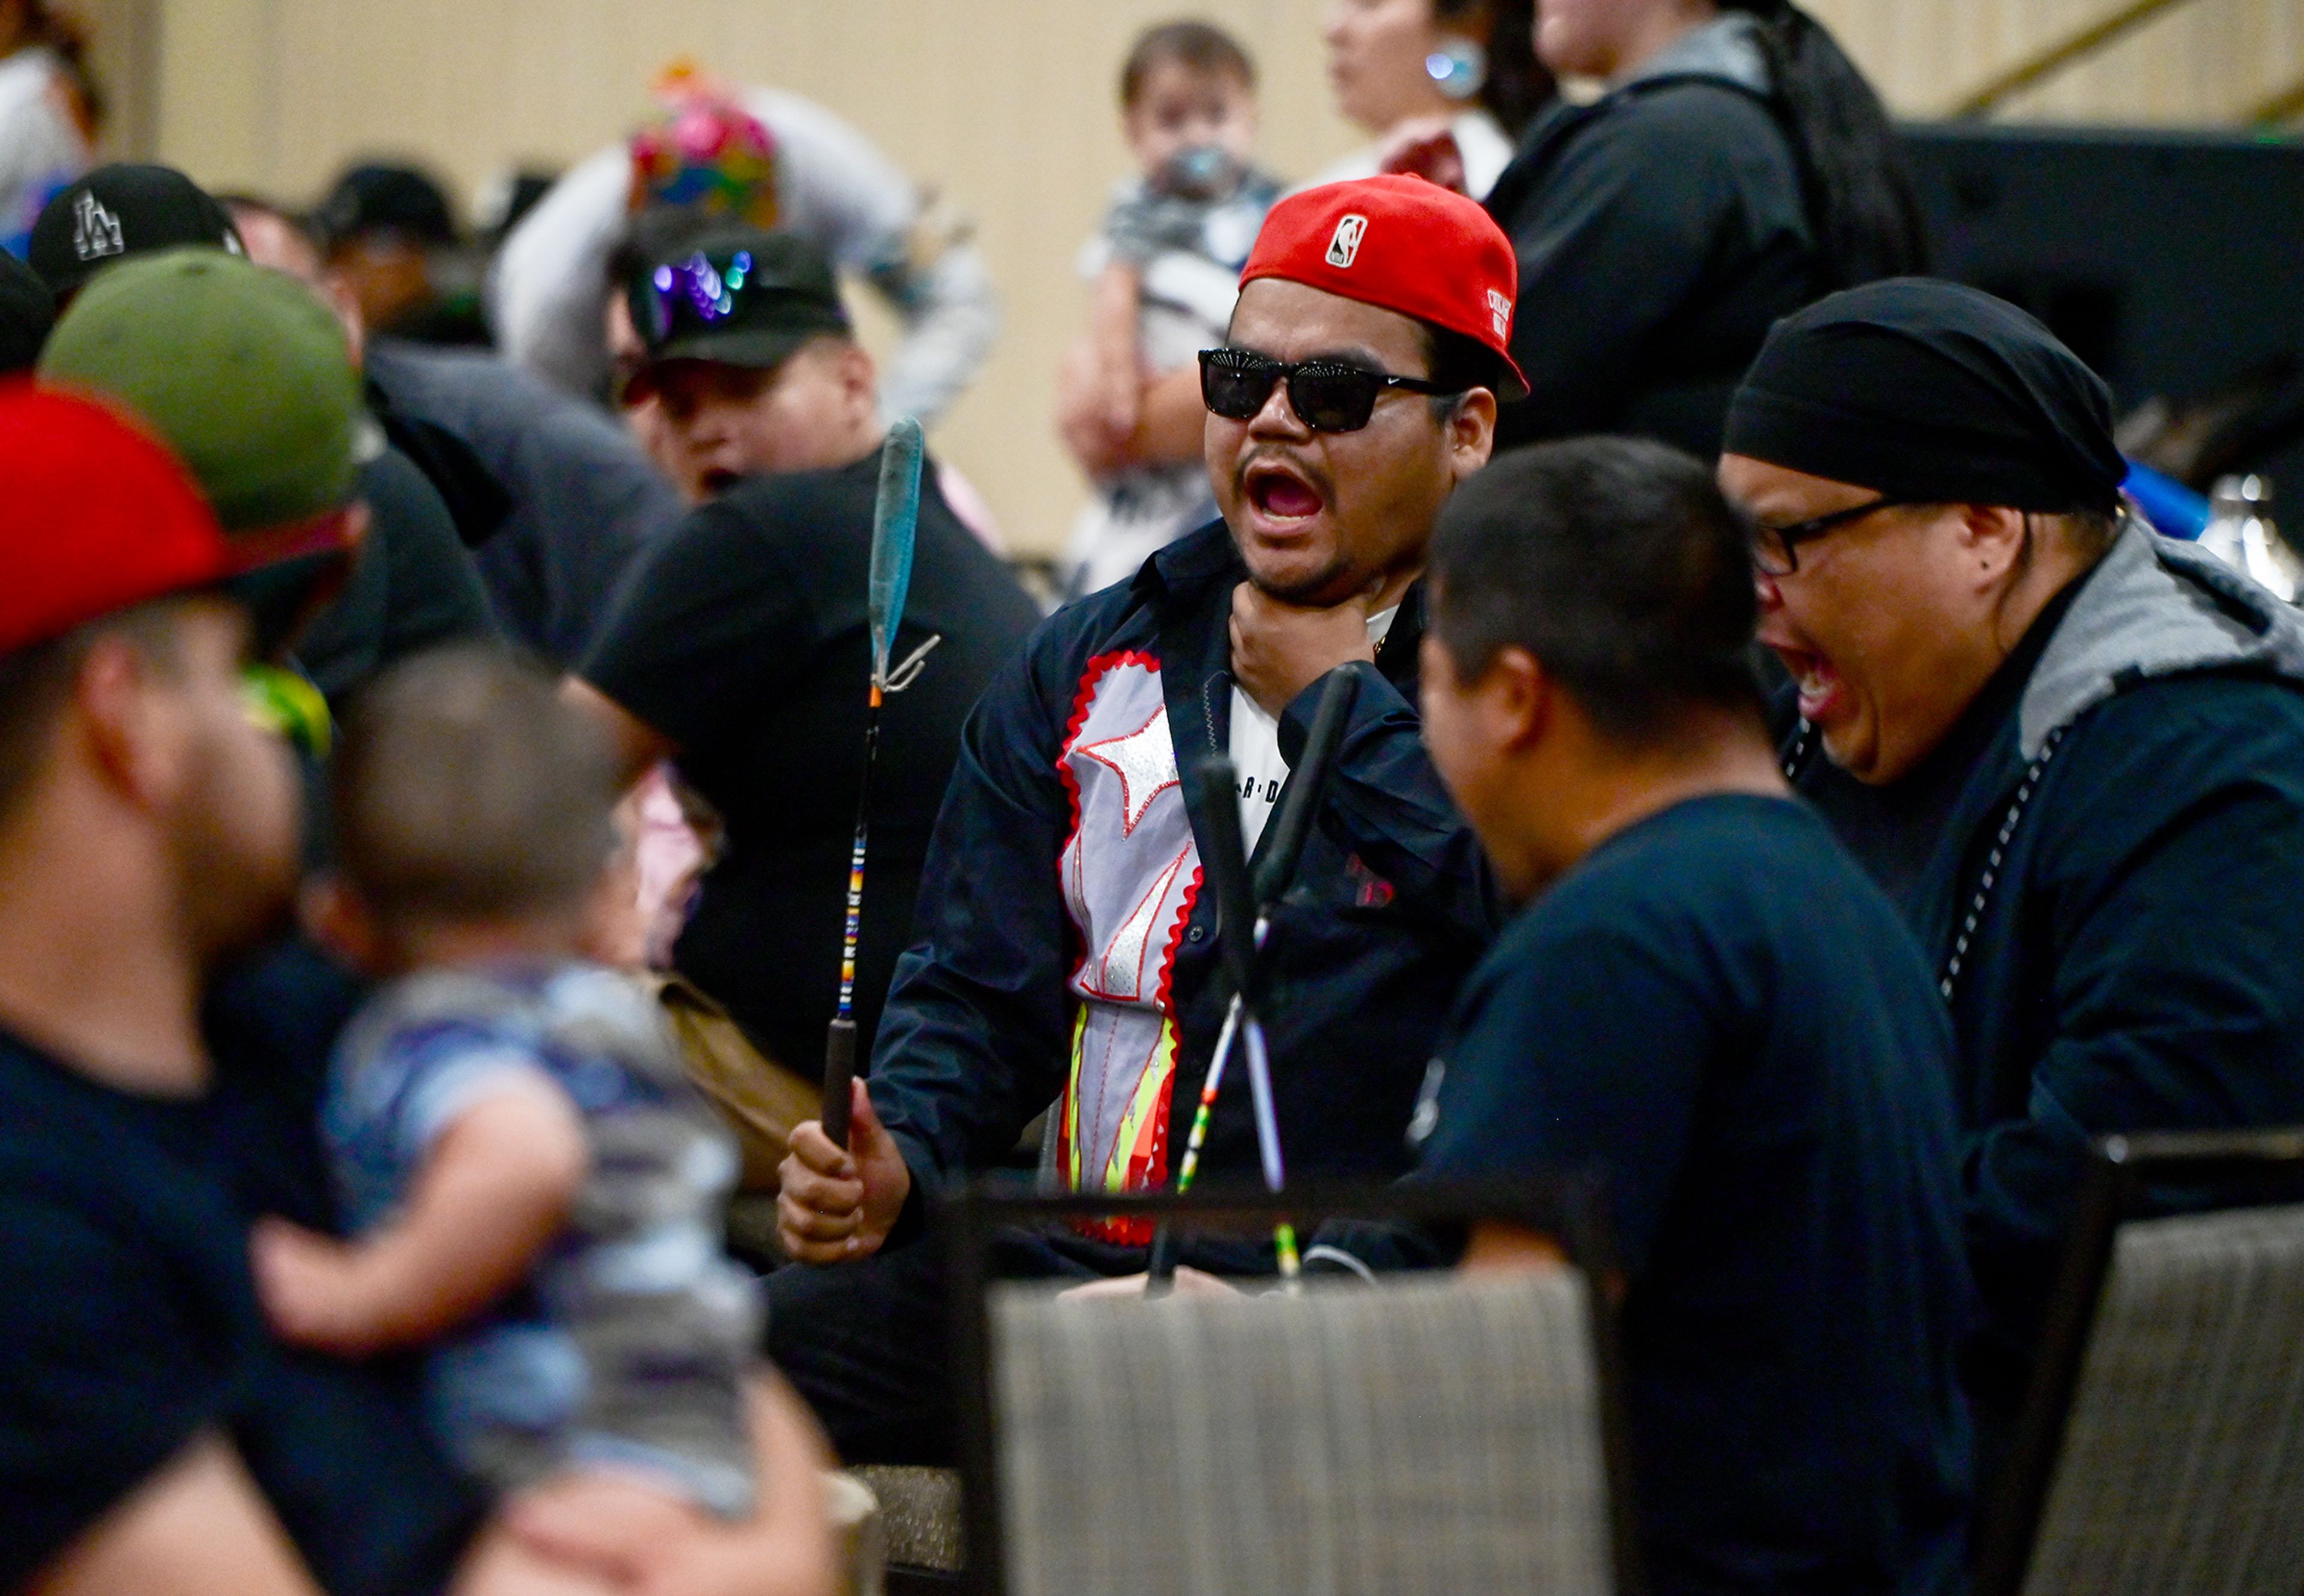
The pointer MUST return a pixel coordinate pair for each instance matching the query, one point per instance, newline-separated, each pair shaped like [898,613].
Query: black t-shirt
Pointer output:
[1720,1011]
[127,1324]
[742,637]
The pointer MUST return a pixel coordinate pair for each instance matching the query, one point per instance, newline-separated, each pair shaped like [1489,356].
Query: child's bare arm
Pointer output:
[495,1187]
[1113,301]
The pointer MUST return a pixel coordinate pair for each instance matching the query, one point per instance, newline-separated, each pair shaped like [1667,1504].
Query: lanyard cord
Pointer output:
[1949,981]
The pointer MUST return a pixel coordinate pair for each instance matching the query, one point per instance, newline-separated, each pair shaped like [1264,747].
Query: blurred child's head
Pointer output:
[468,795]
[1187,86]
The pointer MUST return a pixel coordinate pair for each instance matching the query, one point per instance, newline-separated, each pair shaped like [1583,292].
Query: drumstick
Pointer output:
[1223,864]
[1291,827]
[895,524]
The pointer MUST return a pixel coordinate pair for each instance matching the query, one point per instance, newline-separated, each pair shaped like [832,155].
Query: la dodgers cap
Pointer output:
[96,516]
[1405,244]
[119,210]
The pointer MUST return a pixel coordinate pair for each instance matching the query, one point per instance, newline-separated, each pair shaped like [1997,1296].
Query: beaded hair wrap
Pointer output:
[706,151]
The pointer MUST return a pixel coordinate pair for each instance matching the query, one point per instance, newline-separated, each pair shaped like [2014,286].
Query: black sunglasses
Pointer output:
[1775,549]
[1326,396]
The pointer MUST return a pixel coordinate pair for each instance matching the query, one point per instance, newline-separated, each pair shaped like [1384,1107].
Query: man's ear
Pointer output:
[1471,432]
[1515,696]
[1995,538]
[140,748]
[858,375]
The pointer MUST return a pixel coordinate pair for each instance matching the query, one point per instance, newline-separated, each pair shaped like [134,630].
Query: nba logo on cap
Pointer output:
[1500,313]
[1345,246]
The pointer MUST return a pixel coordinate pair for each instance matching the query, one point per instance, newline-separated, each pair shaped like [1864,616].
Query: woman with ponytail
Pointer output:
[1736,167]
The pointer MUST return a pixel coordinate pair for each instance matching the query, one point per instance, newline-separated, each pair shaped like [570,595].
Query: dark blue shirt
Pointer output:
[127,1325]
[1718,1010]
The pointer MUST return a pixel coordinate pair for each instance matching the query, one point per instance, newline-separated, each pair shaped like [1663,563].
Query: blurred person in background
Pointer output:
[412,585]
[505,199]
[49,112]
[555,499]
[1164,274]
[118,209]
[767,158]
[1737,166]
[738,645]
[390,236]
[1443,86]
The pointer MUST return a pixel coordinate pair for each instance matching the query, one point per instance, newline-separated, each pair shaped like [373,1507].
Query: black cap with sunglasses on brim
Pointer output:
[737,296]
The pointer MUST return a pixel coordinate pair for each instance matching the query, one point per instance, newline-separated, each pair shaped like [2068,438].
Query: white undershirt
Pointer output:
[1256,750]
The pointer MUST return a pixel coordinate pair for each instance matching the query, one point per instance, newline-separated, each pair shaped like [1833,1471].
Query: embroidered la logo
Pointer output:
[1344,248]
[96,231]
[1500,313]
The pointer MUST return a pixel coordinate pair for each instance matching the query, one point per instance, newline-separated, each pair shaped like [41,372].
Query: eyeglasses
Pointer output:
[1326,396]
[1775,549]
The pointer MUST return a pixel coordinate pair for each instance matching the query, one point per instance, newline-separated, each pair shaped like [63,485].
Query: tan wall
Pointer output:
[1006,104]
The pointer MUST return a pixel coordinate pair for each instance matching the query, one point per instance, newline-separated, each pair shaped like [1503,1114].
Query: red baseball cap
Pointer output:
[95,517]
[1403,244]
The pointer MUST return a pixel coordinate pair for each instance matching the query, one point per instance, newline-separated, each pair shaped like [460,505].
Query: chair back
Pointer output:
[2176,1464]
[1437,1432]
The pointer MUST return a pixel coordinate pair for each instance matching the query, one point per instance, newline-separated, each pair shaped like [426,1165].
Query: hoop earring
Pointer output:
[1458,66]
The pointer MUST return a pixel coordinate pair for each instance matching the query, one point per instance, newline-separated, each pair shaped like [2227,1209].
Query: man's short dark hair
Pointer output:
[466,788]
[1618,565]
[1195,46]
[1457,363]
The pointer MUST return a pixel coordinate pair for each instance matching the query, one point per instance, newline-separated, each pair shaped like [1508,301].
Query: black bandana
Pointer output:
[1931,393]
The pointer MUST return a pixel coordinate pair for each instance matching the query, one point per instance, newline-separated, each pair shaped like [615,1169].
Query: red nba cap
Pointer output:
[1404,245]
[95,517]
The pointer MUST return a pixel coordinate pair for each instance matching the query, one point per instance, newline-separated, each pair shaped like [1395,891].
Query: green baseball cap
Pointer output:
[241,369]
[737,296]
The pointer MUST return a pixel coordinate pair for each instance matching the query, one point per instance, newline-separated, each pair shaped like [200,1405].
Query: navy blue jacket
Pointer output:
[2137,962]
[1392,908]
